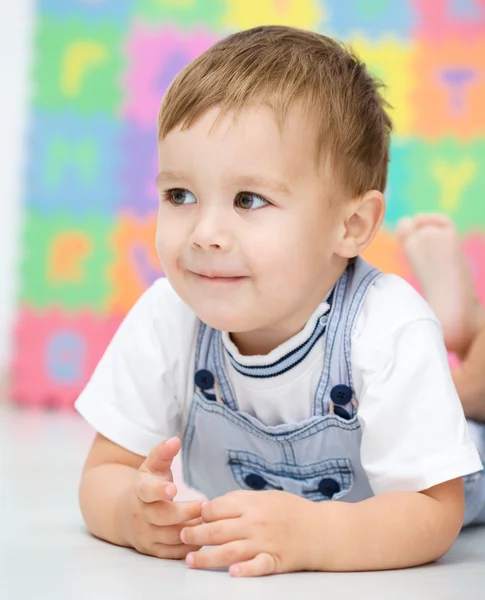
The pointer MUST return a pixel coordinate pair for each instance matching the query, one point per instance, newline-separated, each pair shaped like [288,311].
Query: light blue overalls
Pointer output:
[319,458]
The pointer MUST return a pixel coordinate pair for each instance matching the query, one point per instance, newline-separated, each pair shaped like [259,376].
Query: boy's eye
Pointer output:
[248,201]
[179,196]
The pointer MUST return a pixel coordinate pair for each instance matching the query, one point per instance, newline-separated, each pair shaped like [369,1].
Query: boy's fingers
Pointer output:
[229,506]
[193,522]
[170,534]
[181,512]
[175,552]
[152,489]
[161,456]
[164,514]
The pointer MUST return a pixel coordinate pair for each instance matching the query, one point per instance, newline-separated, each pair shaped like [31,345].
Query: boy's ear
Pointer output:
[362,219]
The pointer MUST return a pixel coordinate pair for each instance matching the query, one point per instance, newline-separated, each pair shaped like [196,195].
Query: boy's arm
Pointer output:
[390,531]
[108,473]
[260,533]
[126,499]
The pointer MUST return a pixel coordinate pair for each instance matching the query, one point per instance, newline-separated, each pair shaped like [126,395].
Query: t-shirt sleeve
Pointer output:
[414,432]
[135,395]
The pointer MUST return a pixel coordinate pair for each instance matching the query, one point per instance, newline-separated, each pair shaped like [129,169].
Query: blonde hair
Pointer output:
[284,67]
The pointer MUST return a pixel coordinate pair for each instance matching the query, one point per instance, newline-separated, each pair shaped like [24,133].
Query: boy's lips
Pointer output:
[216,276]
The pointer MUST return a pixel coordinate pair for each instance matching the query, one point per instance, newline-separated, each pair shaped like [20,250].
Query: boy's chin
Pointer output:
[229,321]
[223,324]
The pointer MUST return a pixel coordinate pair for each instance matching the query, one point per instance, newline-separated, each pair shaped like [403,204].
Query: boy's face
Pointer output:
[246,232]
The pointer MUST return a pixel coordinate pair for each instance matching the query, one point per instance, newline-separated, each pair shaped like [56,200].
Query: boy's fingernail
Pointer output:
[182,536]
[190,560]
[170,490]
[203,503]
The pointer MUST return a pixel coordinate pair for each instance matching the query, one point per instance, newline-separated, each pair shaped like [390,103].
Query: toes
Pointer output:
[433,219]
[404,227]
[407,227]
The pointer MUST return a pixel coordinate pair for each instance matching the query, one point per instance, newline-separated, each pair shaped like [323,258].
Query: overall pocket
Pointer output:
[329,479]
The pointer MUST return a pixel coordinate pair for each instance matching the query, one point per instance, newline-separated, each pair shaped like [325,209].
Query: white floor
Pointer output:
[45,552]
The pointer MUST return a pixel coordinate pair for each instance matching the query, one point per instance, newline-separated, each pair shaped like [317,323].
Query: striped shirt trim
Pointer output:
[286,362]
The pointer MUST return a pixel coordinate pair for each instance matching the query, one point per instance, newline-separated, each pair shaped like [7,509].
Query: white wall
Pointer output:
[16,25]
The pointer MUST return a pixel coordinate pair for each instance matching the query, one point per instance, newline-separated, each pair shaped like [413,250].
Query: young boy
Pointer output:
[291,372]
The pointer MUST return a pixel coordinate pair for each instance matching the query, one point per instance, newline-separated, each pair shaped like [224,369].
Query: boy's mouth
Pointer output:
[214,276]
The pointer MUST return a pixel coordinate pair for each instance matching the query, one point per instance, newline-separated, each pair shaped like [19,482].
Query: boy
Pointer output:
[291,370]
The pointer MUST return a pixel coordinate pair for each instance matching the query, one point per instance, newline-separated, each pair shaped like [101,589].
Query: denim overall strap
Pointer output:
[209,356]
[349,296]
[367,276]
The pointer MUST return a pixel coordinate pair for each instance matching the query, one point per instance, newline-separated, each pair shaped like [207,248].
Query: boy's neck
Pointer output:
[263,341]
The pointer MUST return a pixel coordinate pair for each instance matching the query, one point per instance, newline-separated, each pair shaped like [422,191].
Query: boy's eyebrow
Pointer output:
[250,180]
[242,180]
[169,175]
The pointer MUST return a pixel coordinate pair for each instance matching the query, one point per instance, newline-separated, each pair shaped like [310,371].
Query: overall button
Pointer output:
[328,487]
[341,395]
[255,482]
[204,379]
[341,412]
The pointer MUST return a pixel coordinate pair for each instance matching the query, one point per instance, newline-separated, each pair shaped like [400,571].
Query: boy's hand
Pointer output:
[153,520]
[257,533]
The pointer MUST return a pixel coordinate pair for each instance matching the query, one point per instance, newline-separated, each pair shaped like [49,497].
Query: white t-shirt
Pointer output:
[414,433]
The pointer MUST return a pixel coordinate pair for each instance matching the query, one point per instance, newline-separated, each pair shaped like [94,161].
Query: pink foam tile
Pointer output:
[55,354]
[155,56]
[445,18]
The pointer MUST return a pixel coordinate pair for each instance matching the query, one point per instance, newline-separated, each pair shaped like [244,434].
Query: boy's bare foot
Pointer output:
[432,246]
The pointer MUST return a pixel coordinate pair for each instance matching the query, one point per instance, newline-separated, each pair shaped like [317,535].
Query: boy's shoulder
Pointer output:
[392,303]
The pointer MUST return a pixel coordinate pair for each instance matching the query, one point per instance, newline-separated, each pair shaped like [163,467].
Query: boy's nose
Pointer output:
[211,233]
